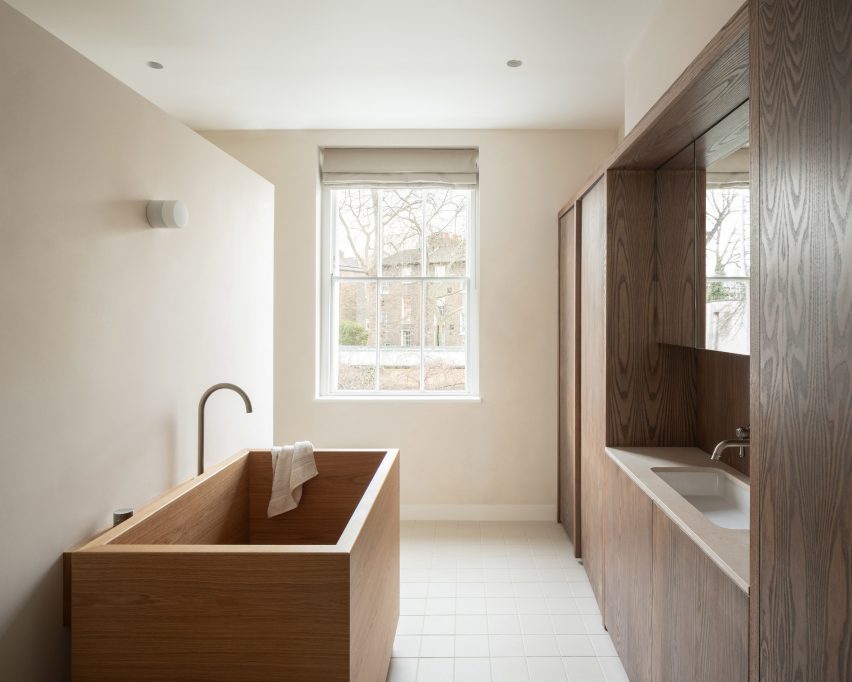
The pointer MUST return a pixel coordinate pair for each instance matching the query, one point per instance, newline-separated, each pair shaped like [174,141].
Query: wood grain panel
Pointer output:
[628,578]
[650,397]
[803,465]
[374,585]
[189,617]
[569,350]
[722,385]
[215,513]
[327,503]
[676,228]
[593,380]
[699,616]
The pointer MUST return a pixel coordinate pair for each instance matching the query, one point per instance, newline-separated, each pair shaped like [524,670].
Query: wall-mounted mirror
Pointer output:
[703,234]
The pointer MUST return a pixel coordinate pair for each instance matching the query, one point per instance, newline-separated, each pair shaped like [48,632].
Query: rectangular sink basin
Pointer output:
[722,498]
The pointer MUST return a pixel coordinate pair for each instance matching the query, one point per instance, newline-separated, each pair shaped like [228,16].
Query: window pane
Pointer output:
[447,220]
[402,231]
[355,336]
[400,341]
[445,343]
[727,267]
[356,222]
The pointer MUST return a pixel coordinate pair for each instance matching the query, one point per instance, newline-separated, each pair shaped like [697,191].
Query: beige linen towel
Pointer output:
[292,465]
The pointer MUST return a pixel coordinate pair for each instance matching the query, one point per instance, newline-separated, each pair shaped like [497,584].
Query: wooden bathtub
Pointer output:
[200,585]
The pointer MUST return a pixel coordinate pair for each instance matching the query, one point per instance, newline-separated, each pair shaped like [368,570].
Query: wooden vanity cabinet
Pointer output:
[628,576]
[672,613]
[699,616]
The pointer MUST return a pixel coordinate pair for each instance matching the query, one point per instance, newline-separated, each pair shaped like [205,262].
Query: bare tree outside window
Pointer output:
[727,267]
[400,285]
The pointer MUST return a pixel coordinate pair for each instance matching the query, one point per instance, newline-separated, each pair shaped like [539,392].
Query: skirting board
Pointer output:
[478,512]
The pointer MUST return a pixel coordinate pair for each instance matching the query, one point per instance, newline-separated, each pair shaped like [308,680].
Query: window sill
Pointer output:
[397,398]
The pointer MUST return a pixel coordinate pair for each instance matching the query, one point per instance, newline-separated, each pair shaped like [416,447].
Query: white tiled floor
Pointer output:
[499,602]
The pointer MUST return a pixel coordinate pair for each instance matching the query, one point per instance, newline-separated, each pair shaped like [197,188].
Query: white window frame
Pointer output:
[326,334]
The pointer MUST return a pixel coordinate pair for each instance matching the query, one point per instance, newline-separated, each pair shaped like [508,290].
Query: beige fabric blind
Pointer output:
[399,166]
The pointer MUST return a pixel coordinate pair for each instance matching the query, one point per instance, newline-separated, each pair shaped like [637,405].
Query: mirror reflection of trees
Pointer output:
[401,334]
[727,267]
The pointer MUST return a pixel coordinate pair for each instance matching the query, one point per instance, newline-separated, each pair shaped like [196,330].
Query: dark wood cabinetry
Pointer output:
[699,617]
[628,550]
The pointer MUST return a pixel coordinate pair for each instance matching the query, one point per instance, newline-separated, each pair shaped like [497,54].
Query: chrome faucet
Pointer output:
[201,405]
[742,441]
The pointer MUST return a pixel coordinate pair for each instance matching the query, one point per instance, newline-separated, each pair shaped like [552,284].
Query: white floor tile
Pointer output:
[412,607]
[403,670]
[613,670]
[583,670]
[410,625]
[603,645]
[574,645]
[435,670]
[439,625]
[535,624]
[503,625]
[509,670]
[501,646]
[540,645]
[472,646]
[406,646]
[471,624]
[568,625]
[546,670]
[473,670]
[437,646]
[497,602]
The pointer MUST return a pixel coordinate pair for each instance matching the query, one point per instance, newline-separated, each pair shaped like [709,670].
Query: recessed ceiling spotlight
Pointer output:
[155,65]
[514,63]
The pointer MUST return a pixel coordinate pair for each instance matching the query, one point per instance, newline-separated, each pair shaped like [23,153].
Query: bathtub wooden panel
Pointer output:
[226,617]
[374,577]
[327,503]
[215,513]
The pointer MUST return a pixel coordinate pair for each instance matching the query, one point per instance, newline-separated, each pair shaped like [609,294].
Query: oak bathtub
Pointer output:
[200,585]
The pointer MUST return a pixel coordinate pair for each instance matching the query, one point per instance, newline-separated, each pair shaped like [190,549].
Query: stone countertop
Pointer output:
[728,548]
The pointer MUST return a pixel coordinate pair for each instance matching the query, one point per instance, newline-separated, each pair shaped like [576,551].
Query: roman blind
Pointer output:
[390,166]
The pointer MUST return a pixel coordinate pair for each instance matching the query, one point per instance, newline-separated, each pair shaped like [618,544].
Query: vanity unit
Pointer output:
[677,556]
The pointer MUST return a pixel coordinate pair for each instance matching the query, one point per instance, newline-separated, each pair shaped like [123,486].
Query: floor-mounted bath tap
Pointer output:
[742,441]
[201,405]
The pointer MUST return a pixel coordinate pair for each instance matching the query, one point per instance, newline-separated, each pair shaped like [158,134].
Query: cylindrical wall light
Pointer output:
[167,213]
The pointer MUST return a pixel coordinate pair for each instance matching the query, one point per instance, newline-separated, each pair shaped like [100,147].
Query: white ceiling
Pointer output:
[362,64]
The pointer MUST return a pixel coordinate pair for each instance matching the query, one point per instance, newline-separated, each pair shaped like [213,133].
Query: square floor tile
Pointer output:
[588,606]
[471,624]
[440,606]
[501,646]
[473,670]
[410,625]
[403,670]
[435,670]
[501,605]
[603,646]
[583,670]
[439,625]
[437,646]
[574,645]
[535,624]
[540,645]
[546,670]
[470,605]
[568,625]
[532,605]
[472,646]
[509,670]
[413,590]
[503,625]
[412,607]
[470,590]
[406,646]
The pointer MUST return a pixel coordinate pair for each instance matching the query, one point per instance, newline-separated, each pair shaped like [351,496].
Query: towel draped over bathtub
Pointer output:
[292,465]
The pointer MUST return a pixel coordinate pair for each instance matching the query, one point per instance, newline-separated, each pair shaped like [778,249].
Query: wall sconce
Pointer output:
[167,213]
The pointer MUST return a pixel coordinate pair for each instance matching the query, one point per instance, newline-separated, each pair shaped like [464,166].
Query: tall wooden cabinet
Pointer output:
[802,340]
